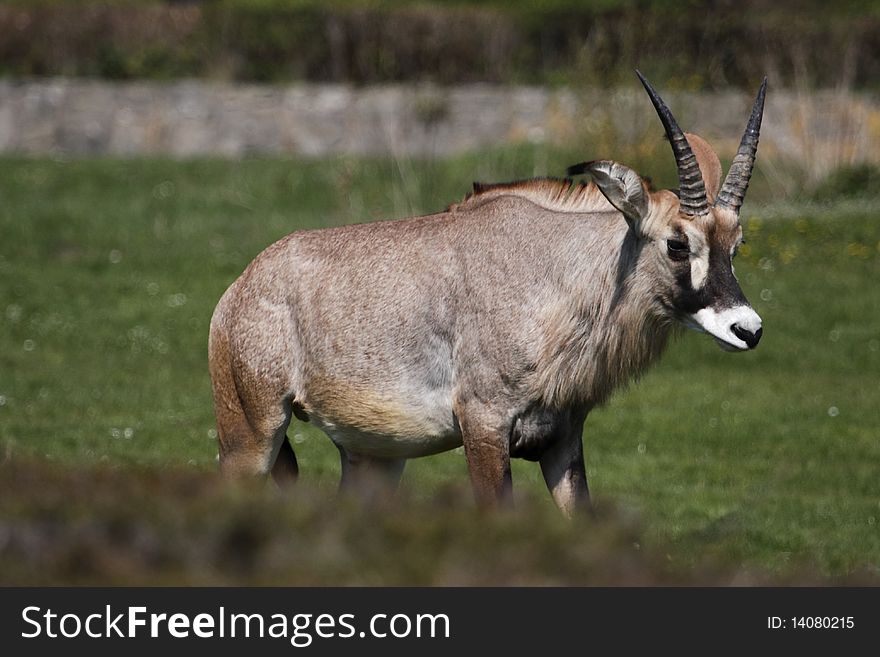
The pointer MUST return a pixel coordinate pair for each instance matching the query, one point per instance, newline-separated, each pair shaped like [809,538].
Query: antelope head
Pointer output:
[690,238]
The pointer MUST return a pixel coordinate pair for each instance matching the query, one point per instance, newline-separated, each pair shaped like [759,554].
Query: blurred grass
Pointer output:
[128,526]
[110,270]
[854,181]
[100,525]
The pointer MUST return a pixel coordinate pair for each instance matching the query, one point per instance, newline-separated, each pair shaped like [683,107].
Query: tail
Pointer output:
[243,450]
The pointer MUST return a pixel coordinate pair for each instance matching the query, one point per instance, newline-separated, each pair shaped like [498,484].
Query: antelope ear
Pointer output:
[622,187]
[710,165]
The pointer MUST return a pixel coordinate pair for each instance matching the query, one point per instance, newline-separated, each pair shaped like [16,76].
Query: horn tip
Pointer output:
[577,169]
[582,167]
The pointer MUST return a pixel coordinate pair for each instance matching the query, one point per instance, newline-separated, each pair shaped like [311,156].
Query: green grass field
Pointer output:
[767,462]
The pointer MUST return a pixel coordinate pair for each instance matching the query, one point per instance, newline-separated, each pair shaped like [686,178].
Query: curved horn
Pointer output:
[692,191]
[737,181]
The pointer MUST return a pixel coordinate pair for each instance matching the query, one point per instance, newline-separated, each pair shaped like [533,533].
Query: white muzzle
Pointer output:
[735,329]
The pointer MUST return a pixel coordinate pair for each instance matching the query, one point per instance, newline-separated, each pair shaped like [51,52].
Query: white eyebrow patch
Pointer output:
[699,269]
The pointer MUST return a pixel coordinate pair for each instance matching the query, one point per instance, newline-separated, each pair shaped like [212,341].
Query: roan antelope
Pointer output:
[497,324]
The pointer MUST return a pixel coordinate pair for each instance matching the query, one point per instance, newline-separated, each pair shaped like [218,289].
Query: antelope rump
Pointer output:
[497,324]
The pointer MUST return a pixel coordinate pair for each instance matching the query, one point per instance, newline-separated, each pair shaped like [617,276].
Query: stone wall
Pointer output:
[84,118]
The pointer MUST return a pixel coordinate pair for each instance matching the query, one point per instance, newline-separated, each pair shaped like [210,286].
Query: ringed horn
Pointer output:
[692,190]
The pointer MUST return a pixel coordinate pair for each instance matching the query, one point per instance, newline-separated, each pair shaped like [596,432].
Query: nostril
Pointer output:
[751,339]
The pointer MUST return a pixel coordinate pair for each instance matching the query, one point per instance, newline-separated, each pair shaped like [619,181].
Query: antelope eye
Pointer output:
[678,249]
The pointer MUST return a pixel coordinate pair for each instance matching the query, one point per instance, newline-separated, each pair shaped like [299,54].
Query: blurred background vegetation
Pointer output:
[692,44]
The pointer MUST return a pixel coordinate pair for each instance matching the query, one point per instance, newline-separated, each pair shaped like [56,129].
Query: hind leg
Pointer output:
[253,451]
[285,472]
[252,431]
[369,477]
[253,410]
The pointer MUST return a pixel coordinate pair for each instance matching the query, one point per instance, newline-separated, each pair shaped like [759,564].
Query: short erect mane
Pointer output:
[555,194]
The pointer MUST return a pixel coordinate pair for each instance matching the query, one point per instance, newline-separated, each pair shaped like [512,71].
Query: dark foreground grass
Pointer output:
[109,271]
[100,525]
[129,525]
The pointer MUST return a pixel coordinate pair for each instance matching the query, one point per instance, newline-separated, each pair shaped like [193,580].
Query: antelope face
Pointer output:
[704,293]
[692,236]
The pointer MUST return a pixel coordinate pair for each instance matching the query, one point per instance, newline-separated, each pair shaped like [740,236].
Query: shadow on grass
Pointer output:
[95,525]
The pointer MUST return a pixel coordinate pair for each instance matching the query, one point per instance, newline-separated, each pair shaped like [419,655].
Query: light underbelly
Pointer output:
[403,423]
[391,447]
